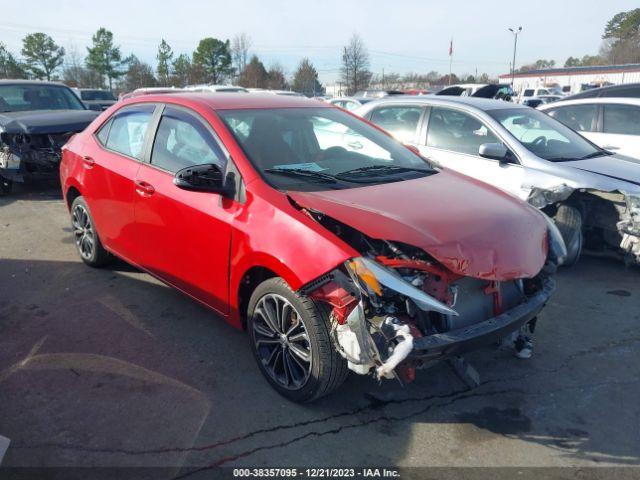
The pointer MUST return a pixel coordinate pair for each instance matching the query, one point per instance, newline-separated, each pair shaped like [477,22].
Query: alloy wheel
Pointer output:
[282,341]
[83,231]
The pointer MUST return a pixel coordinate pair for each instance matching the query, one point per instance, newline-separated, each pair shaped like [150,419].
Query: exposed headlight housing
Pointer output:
[370,277]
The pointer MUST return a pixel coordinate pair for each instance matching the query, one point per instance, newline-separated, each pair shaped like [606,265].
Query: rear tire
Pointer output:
[280,355]
[569,221]
[86,237]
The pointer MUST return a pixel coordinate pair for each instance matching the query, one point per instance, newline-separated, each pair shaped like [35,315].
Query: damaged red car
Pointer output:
[336,247]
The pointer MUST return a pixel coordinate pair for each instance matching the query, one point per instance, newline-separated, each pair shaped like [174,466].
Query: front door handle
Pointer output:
[88,161]
[144,189]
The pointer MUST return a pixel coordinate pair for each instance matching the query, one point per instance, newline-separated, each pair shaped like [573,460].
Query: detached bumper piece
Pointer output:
[456,342]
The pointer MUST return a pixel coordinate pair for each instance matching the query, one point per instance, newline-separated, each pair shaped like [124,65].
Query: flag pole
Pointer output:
[450,58]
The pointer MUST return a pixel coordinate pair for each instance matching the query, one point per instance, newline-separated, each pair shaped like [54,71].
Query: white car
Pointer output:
[529,93]
[610,123]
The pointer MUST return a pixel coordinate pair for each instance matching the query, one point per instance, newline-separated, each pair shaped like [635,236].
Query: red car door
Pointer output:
[110,170]
[184,236]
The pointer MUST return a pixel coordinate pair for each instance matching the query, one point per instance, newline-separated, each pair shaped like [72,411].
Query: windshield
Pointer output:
[24,97]
[320,148]
[96,95]
[543,136]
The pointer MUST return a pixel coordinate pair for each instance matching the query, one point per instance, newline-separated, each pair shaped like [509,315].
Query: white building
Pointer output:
[575,79]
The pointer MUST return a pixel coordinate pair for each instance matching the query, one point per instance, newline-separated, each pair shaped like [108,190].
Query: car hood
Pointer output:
[619,167]
[471,228]
[46,121]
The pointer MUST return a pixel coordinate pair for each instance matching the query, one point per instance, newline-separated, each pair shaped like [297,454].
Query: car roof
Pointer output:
[31,82]
[609,90]
[232,101]
[582,101]
[475,102]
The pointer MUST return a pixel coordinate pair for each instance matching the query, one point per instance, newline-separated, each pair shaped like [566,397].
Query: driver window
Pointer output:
[457,131]
[182,141]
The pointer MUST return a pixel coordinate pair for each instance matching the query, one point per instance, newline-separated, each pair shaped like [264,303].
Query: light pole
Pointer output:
[515,32]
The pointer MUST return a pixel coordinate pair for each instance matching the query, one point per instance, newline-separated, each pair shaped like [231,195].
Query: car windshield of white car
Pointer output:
[545,137]
[319,148]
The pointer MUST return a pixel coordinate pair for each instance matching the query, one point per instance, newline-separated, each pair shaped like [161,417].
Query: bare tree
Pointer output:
[240,46]
[355,65]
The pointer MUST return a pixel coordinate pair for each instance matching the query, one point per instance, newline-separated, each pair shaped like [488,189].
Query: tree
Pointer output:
[41,54]
[104,57]
[9,66]
[254,75]
[165,54]
[355,65]
[622,38]
[305,80]
[181,71]
[139,75]
[213,57]
[586,61]
[240,46]
[276,78]
[540,64]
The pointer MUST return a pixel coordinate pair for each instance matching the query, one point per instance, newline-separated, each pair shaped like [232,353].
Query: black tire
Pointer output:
[327,370]
[86,237]
[569,221]
[6,186]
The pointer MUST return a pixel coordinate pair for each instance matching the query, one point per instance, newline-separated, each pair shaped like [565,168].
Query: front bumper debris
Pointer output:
[456,342]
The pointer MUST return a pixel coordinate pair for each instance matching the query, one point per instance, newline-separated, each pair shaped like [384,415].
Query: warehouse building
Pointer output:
[575,79]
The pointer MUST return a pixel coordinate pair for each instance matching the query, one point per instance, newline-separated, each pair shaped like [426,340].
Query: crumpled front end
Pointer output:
[396,309]
[629,226]
[30,155]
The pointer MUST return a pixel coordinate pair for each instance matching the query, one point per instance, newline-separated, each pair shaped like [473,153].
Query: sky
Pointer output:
[401,36]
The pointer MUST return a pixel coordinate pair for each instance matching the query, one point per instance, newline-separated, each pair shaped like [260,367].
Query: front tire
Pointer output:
[569,221]
[289,336]
[85,235]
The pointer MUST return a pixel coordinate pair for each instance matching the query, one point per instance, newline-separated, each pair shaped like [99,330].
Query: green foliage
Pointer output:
[104,57]
[623,25]
[213,58]
[305,80]
[586,61]
[41,54]
[9,66]
[254,75]
[181,71]
[165,54]
[139,75]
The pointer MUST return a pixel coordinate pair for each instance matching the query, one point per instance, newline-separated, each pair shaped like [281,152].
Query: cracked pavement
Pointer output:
[112,368]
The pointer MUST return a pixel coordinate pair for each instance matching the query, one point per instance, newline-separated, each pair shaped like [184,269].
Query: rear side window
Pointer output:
[528,93]
[581,118]
[125,132]
[400,121]
[622,119]
[182,140]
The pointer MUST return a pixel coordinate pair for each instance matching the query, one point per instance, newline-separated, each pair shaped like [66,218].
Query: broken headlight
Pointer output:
[371,278]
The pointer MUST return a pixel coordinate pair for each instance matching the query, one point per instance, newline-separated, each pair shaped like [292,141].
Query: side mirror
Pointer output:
[495,151]
[201,178]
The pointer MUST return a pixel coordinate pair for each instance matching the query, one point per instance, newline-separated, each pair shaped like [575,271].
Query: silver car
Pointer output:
[593,194]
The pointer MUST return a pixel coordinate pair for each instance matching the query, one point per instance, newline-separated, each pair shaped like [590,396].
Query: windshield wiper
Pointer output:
[383,169]
[301,172]
[600,153]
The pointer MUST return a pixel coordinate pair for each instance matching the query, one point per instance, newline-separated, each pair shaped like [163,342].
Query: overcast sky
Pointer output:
[401,35]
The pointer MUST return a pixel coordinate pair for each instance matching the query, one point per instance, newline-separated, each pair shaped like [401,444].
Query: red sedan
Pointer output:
[334,245]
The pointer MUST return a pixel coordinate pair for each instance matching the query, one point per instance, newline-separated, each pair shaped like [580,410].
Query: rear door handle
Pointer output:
[88,162]
[144,189]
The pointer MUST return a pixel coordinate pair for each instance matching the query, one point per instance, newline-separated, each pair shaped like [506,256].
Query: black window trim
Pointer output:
[109,121]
